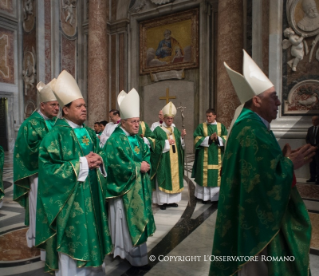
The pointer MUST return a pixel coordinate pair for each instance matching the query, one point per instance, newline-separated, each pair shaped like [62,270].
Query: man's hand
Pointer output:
[94,160]
[145,167]
[213,137]
[301,156]
[183,133]
[171,141]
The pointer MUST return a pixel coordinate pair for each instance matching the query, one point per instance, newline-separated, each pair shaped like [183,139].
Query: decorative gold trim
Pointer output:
[197,139]
[143,127]
[219,132]
[240,266]
[205,160]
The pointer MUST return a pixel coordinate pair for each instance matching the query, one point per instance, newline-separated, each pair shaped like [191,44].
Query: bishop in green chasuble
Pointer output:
[25,158]
[1,175]
[168,161]
[208,158]
[258,208]
[71,218]
[128,184]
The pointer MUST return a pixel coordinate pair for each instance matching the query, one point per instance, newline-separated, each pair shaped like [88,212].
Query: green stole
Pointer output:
[50,123]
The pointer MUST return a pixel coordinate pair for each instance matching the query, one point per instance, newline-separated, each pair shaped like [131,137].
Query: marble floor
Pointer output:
[180,246]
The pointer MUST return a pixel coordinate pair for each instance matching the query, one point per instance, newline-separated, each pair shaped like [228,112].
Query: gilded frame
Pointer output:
[181,52]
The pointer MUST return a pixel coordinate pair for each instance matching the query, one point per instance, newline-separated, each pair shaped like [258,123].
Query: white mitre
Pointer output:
[169,110]
[45,92]
[252,83]
[66,89]
[129,104]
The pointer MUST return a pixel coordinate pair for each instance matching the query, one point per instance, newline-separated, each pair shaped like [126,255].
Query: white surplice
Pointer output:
[107,132]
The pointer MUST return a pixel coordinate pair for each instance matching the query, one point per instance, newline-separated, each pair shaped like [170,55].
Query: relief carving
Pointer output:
[69,17]
[28,15]
[29,107]
[29,71]
[136,6]
[303,20]
[4,44]
[303,98]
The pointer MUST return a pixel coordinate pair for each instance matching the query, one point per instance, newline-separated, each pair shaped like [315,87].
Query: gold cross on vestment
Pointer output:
[85,140]
[168,97]
[137,150]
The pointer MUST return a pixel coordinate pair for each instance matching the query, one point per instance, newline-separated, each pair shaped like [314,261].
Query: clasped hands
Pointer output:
[300,156]
[214,136]
[94,160]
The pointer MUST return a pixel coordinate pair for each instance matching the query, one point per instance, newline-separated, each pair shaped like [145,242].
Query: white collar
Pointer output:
[214,123]
[267,124]
[126,133]
[172,126]
[43,116]
[73,125]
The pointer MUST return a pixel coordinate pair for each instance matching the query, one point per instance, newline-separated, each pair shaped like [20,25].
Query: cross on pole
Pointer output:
[168,97]
[181,109]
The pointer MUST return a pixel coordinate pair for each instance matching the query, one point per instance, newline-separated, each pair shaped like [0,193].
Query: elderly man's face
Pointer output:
[131,125]
[268,104]
[76,112]
[168,120]
[50,109]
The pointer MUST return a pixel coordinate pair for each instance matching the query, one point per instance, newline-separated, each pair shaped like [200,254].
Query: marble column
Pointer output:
[98,62]
[229,49]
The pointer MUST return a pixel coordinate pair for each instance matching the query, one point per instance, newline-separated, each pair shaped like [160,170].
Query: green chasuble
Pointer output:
[145,131]
[257,206]
[1,172]
[124,179]
[26,154]
[208,160]
[71,217]
[168,167]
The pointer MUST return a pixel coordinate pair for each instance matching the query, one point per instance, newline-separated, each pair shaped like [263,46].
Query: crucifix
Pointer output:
[168,97]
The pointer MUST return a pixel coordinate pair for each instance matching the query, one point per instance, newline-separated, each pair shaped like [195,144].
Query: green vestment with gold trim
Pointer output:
[168,167]
[257,206]
[124,156]
[1,172]
[208,160]
[71,216]
[145,131]
[25,156]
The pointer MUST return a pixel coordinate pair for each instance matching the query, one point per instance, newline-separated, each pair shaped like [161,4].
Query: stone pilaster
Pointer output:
[229,49]
[98,62]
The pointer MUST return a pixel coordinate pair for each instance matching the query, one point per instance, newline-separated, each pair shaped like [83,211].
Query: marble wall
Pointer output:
[47,40]
[230,45]
[98,62]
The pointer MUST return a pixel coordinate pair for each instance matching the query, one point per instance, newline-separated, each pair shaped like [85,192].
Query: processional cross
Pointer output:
[168,97]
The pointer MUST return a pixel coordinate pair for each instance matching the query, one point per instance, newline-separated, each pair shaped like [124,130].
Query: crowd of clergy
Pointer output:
[89,193]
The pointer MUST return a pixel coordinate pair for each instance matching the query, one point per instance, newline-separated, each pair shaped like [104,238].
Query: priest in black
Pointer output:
[312,138]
